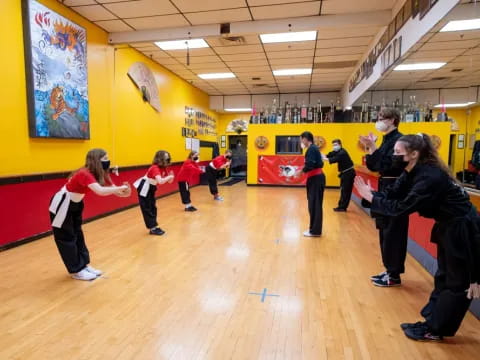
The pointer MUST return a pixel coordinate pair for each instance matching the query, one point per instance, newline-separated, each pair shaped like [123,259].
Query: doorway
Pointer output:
[238,145]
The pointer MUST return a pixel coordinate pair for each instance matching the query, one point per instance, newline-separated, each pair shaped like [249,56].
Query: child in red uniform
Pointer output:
[188,170]
[66,212]
[220,162]
[147,186]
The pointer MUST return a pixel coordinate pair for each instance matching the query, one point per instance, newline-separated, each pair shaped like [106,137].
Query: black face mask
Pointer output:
[228,157]
[398,162]
[106,164]
[167,161]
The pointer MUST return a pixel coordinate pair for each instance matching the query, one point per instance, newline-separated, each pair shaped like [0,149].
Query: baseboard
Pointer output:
[288,186]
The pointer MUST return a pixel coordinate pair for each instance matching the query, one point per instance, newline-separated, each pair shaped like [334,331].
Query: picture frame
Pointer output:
[56,74]
[223,145]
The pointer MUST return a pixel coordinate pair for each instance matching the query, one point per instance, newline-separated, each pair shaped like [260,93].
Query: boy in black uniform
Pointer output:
[346,174]
[393,230]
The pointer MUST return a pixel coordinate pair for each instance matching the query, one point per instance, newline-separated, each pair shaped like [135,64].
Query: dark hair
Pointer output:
[192,154]
[307,135]
[338,141]
[228,151]
[427,152]
[93,163]
[160,158]
[391,113]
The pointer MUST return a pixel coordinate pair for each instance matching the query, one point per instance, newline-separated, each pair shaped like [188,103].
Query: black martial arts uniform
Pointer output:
[393,231]
[430,191]
[346,173]
[315,188]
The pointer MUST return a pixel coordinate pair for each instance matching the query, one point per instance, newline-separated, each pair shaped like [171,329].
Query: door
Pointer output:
[238,146]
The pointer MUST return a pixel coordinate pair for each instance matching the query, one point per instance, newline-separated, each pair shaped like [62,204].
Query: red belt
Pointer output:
[314,172]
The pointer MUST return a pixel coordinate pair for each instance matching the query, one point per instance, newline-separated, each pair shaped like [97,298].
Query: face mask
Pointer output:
[302,145]
[228,157]
[167,161]
[106,164]
[381,126]
[399,162]
[336,147]
[195,158]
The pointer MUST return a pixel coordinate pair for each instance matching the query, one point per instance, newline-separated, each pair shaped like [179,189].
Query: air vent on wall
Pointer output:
[232,40]
[334,65]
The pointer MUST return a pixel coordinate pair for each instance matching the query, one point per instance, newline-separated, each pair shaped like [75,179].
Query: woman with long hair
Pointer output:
[427,186]
[66,210]
[146,186]
[187,172]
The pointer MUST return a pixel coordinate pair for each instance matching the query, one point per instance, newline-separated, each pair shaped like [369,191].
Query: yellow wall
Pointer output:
[348,133]
[129,129]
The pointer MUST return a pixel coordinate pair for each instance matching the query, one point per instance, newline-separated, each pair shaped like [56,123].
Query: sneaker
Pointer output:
[337,209]
[84,275]
[406,326]
[94,271]
[422,333]
[190,208]
[157,231]
[379,276]
[307,233]
[218,198]
[387,281]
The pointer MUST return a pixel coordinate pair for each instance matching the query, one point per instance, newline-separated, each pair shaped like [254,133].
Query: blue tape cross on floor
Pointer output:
[263,294]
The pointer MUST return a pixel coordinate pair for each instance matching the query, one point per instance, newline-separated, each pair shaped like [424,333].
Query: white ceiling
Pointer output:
[251,59]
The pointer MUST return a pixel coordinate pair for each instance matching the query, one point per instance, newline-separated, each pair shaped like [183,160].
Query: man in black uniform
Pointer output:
[393,231]
[346,173]
[315,184]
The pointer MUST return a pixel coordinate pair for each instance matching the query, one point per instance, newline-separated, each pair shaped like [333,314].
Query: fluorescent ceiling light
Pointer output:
[454,105]
[182,44]
[216,76]
[459,25]
[287,72]
[288,37]
[239,109]
[420,66]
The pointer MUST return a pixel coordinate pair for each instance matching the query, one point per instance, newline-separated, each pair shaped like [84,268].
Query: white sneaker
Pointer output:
[218,198]
[84,275]
[94,271]
[308,234]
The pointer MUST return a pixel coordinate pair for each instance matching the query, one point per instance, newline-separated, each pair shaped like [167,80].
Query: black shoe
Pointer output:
[190,209]
[337,209]
[157,231]
[387,281]
[406,326]
[378,277]
[422,333]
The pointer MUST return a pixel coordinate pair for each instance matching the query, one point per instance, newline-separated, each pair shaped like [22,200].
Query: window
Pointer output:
[288,145]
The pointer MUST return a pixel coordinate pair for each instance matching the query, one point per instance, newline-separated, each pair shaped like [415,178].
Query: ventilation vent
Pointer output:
[264,85]
[232,40]
[334,65]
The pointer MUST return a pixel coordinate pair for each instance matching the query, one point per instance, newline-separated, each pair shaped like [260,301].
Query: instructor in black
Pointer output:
[346,173]
[393,230]
[315,184]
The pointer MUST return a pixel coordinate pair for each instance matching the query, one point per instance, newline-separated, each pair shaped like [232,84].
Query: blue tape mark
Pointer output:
[263,294]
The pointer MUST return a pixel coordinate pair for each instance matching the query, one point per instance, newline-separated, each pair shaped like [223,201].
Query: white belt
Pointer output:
[60,212]
[145,186]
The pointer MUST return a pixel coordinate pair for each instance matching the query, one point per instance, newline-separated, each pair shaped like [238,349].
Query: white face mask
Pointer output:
[381,126]
[336,147]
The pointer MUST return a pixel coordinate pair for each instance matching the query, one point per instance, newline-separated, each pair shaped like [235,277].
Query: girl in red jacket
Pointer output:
[189,169]
[217,164]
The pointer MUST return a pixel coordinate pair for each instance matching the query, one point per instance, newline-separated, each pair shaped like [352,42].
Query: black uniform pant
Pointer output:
[184,192]
[448,302]
[212,180]
[346,186]
[393,233]
[315,190]
[70,240]
[148,206]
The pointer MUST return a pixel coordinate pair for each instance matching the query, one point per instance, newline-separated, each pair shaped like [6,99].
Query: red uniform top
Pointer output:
[188,170]
[219,161]
[79,182]
[155,170]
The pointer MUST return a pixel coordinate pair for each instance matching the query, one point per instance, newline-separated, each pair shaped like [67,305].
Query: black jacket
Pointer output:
[313,159]
[341,158]
[381,160]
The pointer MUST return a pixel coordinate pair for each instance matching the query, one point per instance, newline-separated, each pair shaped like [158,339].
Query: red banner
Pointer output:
[281,170]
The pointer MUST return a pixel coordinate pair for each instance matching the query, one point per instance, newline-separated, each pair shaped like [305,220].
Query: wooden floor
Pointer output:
[186,295]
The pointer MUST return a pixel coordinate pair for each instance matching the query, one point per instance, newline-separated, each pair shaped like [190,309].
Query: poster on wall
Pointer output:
[144,80]
[56,71]
[281,170]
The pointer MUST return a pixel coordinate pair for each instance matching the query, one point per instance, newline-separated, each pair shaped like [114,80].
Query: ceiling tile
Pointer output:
[247,63]
[156,22]
[292,46]
[248,56]
[249,69]
[290,54]
[141,8]
[94,12]
[193,52]
[344,32]
[343,50]
[79,2]
[292,63]
[218,17]
[344,42]
[243,49]
[330,7]
[272,2]
[311,8]
[249,40]
[113,25]
[446,45]
[187,6]
[200,59]
[327,58]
